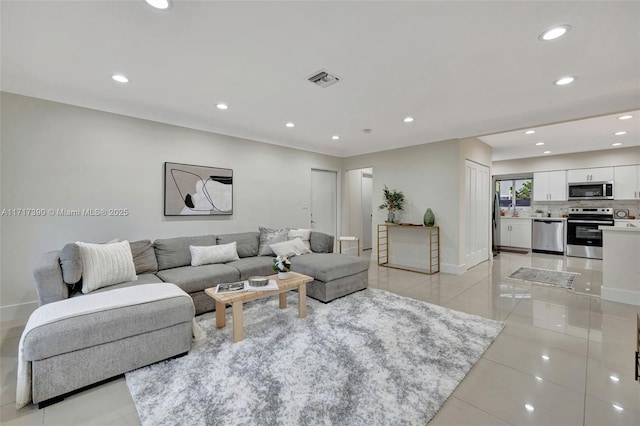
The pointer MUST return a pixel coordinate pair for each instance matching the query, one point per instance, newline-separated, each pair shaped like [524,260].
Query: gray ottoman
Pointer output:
[335,275]
[70,353]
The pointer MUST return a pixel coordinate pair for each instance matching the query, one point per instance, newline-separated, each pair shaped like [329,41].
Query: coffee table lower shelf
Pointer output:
[295,281]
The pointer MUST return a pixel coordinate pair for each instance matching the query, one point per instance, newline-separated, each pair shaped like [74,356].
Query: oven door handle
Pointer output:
[606,222]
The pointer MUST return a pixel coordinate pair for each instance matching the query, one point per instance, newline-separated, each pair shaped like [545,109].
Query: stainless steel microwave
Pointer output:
[590,191]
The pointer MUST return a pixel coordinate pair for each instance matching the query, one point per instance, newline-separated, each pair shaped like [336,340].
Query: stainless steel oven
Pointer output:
[584,239]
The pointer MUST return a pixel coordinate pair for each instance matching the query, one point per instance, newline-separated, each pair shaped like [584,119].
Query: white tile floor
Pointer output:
[587,341]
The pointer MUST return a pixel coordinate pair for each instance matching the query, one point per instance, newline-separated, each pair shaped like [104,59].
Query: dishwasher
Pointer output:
[547,236]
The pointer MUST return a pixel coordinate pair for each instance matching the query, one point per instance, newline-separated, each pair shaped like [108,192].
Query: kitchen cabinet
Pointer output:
[515,233]
[600,174]
[626,182]
[550,186]
[620,266]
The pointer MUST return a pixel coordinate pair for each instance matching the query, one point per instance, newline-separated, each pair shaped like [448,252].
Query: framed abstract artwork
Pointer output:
[197,190]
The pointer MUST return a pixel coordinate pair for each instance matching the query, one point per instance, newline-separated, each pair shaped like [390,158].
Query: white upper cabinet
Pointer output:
[626,183]
[600,174]
[550,186]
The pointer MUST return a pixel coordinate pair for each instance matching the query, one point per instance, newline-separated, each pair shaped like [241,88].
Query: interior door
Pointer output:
[367,212]
[324,201]
[478,206]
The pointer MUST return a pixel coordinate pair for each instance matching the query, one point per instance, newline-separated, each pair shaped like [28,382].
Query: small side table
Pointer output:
[349,239]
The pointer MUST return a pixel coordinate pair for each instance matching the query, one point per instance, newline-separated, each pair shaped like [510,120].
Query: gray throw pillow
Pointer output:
[321,242]
[71,262]
[248,242]
[144,257]
[174,252]
[270,236]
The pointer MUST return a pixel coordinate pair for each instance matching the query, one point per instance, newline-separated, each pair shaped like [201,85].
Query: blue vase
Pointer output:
[391,217]
[429,218]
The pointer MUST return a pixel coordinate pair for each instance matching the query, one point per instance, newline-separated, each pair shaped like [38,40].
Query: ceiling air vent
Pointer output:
[323,79]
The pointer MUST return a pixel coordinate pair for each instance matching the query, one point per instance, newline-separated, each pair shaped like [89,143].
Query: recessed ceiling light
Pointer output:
[222,106]
[616,144]
[538,378]
[617,407]
[545,357]
[554,32]
[546,152]
[120,78]
[529,132]
[625,117]
[335,137]
[159,4]
[563,81]
[620,133]
[614,379]
[408,119]
[540,144]
[290,124]
[529,407]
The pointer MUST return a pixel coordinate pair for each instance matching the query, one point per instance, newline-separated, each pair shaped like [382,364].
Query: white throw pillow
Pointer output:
[106,264]
[205,255]
[290,248]
[303,234]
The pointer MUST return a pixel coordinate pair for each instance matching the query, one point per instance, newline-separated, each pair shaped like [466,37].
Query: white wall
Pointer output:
[60,156]
[428,176]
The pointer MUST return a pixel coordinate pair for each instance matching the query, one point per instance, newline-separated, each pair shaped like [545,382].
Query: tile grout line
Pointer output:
[481,409]
[586,372]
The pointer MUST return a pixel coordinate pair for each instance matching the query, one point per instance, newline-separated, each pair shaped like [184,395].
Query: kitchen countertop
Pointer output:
[619,229]
[533,217]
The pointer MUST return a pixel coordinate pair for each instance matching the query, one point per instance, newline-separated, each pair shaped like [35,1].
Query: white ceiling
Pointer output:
[592,134]
[460,68]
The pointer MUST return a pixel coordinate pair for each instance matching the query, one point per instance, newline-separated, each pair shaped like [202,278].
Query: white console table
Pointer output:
[411,247]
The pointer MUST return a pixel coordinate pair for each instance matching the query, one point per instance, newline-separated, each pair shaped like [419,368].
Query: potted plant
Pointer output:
[539,213]
[393,201]
[282,266]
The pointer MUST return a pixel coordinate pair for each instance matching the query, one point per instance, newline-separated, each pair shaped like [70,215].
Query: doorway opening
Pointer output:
[324,201]
[358,219]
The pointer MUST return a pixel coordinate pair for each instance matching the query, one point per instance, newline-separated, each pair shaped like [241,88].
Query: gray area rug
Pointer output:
[372,357]
[545,276]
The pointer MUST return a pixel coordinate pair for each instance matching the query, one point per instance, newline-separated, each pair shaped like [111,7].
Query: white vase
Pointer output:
[283,275]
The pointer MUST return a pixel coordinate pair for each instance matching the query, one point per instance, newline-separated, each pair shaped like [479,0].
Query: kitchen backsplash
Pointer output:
[558,208]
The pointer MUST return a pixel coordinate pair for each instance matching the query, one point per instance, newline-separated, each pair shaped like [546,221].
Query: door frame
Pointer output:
[338,199]
[486,230]
[364,230]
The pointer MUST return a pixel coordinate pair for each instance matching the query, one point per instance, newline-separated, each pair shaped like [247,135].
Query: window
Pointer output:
[515,192]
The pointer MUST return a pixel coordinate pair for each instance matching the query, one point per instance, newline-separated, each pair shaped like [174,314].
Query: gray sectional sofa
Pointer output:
[58,273]
[73,345]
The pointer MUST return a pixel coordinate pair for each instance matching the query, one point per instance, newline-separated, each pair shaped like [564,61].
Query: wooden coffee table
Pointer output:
[293,282]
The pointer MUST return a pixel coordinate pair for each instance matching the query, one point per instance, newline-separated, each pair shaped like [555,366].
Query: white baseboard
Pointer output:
[453,269]
[621,296]
[17,312]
